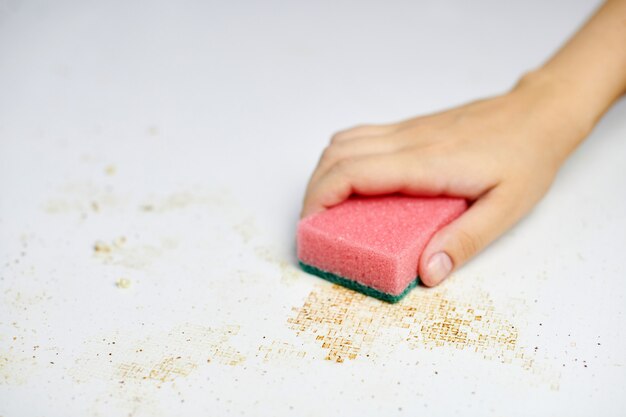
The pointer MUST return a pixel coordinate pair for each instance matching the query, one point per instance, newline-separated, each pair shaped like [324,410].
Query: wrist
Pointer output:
[556,109]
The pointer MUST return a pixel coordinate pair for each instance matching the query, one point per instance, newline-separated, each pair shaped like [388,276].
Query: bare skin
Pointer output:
[500,153]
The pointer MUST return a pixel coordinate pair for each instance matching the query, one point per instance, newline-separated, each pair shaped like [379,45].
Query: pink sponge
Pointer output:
[373,244]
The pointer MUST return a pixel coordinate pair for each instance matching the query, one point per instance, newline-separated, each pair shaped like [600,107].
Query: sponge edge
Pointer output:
[354,285]
[373,244]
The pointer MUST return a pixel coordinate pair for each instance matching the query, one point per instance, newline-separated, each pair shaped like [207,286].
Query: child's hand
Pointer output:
[501,154]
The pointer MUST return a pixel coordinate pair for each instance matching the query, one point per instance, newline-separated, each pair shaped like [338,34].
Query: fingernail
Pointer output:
[438,267]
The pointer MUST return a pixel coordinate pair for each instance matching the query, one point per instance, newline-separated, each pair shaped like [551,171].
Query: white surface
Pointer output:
[190,129]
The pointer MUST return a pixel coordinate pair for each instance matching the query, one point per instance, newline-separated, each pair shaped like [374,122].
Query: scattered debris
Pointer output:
[101,247]
[110,170]
[123,283]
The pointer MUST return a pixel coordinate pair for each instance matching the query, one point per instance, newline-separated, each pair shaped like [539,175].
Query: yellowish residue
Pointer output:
[183,200]
[152,130]
[21,358]
[246,229]
[89,197]
[84,197]
[16,368]
[281,351]
[166,370]
[159,358]
[123,283]
[110,170]
[289,274]
[131,254]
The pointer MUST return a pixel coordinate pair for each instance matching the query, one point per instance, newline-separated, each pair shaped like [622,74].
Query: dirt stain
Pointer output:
[22,357]
[346,323]
[159,358]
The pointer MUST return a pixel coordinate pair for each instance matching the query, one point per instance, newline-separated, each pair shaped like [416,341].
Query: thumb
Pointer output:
[452,246]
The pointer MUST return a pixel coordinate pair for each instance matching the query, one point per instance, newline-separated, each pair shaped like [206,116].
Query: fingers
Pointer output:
[367,140]
[374,174]
[425,171]
[353,148]
[483,222]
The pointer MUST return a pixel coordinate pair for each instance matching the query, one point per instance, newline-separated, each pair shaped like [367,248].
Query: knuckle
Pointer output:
[350,132]
[331,154]
[339,136]
[344,166]
[327,154]
[336,138]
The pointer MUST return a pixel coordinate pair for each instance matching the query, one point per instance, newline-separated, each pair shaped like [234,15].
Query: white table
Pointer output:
[176,139]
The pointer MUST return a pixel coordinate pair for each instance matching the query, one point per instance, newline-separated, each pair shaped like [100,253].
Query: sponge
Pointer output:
[373,244]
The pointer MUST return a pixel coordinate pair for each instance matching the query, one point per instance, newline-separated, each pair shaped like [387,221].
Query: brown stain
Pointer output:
[160,358]
[440,321]
[345,323]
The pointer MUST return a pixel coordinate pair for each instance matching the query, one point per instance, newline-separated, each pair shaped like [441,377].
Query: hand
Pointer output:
[500,153]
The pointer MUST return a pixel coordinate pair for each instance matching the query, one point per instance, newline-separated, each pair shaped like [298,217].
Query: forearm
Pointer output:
[583,79]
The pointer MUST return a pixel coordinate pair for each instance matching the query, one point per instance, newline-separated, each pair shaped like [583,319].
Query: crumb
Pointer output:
[110,170]
[119,241]
[147,207]
[123,283]
[101,247]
